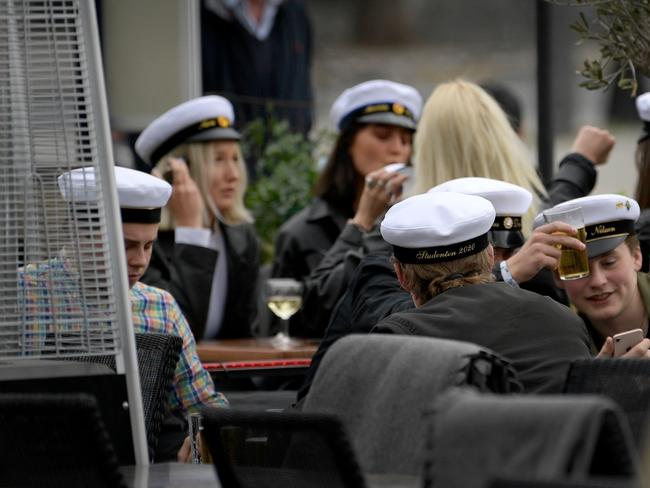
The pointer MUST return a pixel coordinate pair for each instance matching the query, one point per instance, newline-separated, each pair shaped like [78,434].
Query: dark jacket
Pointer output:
[642,228]
[539,336]
[186,271]
[575,178]
[256,75]
[301,243]
[374,293]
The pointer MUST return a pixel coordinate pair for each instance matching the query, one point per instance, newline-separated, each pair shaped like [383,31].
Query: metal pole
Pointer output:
[544,93]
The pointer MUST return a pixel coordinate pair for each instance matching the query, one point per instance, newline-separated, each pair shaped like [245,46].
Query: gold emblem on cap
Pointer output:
[508,223]
[223,121]
[206,124]
[398,109]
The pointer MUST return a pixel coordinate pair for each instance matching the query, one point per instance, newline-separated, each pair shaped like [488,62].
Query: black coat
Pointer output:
[300,245]
[374,293]
[538,335]
[317,247]
[187,271]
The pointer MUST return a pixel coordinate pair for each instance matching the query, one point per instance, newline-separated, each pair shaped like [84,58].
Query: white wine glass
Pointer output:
[284,298]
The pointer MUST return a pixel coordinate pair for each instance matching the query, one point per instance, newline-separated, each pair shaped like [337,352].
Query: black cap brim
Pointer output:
[216,134]
[506,239]
[601,246]
[388,118]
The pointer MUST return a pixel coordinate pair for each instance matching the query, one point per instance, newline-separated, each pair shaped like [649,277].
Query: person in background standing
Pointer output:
[258,54]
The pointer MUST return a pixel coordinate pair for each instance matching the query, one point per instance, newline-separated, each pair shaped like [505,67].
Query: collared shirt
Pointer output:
[240,10]
[153,310]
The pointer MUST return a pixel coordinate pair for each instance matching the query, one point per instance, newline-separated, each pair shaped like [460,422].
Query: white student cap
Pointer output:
[378,102]
[609,219]
[202,119]
[510,203]
[643,108]
[438,227]
[140,195]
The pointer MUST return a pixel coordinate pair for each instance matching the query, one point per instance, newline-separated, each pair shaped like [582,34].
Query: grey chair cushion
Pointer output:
[479,437]
[380,386]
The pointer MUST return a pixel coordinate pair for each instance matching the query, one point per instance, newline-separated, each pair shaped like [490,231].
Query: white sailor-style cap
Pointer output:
[207,118]
[643,109]
[510,203]
[609,219]
[379,102]
[438,227]
[140,195]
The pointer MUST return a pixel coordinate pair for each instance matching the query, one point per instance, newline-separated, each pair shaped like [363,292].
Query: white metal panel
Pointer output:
[63,286]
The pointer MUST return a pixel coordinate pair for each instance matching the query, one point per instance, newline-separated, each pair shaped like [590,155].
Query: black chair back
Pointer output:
[626,381]
[158,356]
[55,440]
[280,449]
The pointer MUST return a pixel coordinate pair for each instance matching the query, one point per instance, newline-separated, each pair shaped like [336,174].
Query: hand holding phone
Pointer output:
[625,341]
[399,168]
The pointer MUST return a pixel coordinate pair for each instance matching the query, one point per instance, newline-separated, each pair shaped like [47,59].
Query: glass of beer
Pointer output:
[574,264]
[284,298]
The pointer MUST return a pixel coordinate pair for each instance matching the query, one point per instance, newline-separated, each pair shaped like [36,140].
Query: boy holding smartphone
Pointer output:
[615,297]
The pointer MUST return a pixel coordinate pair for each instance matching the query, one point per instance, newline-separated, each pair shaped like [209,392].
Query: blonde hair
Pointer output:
[464,132]
[199,156]
[426,281]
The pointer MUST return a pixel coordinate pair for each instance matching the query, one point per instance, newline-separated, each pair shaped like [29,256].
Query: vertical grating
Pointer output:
[57,294]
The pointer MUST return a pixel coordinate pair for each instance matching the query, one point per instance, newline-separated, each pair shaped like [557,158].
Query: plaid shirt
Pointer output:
[153,310]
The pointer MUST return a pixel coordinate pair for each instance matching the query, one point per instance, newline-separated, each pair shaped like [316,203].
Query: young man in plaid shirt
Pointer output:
[141,197]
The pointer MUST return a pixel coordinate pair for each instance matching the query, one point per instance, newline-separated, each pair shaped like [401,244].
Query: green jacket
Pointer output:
[643,281]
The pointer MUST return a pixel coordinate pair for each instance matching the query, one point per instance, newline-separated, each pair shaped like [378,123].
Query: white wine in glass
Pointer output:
[284,298]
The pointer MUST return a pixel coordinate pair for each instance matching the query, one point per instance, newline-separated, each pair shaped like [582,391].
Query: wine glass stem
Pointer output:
[285,327]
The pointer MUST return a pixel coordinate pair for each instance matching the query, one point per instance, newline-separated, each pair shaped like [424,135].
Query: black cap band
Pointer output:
[182,135]
[615,228]
[377,108]
[140,215]
[646,131]
[506,222]
[440,254]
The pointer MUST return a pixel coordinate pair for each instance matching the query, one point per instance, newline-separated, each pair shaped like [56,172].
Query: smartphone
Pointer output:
[168,174]
[399,168]
[625,341]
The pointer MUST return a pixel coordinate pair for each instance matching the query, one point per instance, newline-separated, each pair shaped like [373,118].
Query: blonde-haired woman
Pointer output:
[207,253]
[464,132]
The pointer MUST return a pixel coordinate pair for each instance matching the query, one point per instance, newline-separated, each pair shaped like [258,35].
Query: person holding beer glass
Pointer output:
[613,297]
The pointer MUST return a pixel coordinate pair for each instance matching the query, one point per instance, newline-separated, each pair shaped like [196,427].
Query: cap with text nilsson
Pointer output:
[208,118]
[510,202]
[608,219]
[140,195]
[378,102]
[438,227]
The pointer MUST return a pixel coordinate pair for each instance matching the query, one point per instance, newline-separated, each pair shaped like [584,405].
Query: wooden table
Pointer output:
[254,349]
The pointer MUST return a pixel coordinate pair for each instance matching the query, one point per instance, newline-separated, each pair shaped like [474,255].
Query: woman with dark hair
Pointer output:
[642,195]
[376,121]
